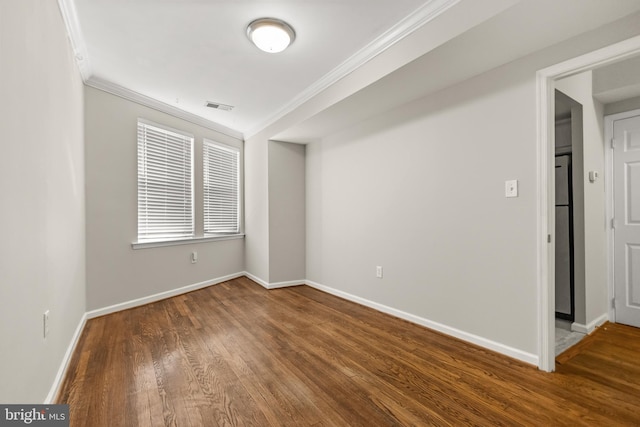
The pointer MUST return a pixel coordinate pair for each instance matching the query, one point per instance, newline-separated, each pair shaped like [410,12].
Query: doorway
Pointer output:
[569,228]
[546,79]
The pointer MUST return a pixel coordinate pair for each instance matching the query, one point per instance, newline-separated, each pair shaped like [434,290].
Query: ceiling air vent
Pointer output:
[219,106]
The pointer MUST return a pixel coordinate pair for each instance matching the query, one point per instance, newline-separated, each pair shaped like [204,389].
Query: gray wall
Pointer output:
[115,272]
[622,106]
[256,191]
[286,212]
[420,192]
[42,258]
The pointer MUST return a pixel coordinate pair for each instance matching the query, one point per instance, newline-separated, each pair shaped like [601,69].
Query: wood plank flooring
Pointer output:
[237,354]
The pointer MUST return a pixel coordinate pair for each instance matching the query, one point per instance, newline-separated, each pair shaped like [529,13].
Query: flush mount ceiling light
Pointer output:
[270,34]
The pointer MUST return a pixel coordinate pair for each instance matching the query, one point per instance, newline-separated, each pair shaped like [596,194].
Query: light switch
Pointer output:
[511,188]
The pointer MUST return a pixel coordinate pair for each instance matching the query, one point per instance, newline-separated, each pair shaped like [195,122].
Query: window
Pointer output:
[165,183]
[221,175]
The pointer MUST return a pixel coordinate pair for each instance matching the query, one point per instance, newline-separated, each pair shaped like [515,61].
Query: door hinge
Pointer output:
[613,223]
[613,143]
[548,238]
[613,303]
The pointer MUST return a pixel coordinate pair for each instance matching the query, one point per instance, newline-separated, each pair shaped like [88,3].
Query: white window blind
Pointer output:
[221,188]
[165,183]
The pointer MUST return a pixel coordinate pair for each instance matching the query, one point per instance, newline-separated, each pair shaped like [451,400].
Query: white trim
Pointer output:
[274,285]
[70,18]
[288,284]
[159,296]
[457,333]
[423,15]
[128,94]
[545,139]
[587,329]
[191,240]
[64,364]
[256,279]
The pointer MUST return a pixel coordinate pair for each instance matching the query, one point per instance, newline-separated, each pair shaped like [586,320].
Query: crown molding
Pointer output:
[402,29]
[70,18]
[122,92]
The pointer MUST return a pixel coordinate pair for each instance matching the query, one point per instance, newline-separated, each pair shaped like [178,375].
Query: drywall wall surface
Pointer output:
[116,273]
[42,250]
[257,207]
[286,212]
[579,87]
[420,192]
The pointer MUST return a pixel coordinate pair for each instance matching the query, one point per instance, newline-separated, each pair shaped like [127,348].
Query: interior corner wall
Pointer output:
[116,273]
[286,212]
[256,191]
[579,87]
[42,250]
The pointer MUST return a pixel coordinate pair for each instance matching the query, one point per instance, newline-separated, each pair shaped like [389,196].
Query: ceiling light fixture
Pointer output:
[270,34]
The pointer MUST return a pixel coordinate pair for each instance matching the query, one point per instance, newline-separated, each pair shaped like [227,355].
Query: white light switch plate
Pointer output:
[511,188]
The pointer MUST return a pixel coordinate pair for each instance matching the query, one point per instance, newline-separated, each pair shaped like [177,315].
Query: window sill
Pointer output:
[189,241]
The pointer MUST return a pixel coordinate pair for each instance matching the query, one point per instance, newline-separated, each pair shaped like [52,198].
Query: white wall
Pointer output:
[115,272]
[42,258]
[580,88]
[287,256]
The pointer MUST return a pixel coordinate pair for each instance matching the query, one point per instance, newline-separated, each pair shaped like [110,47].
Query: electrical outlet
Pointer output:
[45,323]
[379,272]
[194,257]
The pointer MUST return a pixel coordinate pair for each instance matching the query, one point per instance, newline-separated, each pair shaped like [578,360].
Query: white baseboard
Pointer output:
[55,387]
[160,296]
[465,336]
[288,284]
[591,326]
[258,280]
[274,285]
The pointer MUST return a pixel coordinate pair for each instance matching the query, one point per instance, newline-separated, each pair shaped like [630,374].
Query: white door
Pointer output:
[626,193]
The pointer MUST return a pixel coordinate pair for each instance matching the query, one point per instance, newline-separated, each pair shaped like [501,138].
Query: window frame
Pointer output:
[197,192]
[177,134]
[215,145]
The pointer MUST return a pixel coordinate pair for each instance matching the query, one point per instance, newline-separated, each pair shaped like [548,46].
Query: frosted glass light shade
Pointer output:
[270,34]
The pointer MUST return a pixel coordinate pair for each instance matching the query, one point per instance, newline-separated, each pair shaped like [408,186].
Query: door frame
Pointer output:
[609,120]
[545,140]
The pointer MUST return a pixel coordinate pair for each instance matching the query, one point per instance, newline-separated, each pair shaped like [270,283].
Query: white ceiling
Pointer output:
[179,54]
[187,52]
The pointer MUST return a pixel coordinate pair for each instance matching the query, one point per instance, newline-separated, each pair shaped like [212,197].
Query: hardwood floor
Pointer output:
[237,354]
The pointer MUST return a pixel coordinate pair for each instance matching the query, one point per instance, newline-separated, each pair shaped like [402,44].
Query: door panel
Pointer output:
[564,243]
[563,262]
[626,235]
[632,179]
